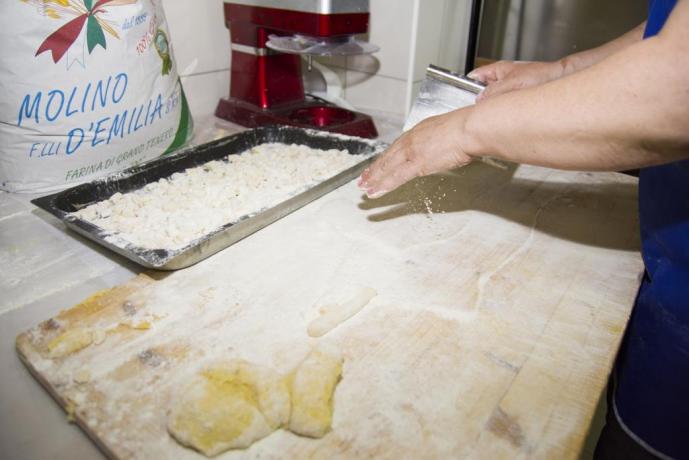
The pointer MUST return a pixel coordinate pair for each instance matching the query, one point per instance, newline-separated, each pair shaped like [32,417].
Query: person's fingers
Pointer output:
[402,168]
[492,72]
[491,90]
[388,165]
[485,73]
[496,76]
[482,75]
[371,175]
[501,87]
[430,147]
[403,174]
[364,177]
[408,160]
[416,166]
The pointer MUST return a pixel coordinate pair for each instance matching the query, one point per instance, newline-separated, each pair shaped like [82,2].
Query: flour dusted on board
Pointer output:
[89,88]
[174,211]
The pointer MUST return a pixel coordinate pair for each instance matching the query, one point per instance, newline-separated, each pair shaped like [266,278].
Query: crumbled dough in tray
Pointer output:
[173,212]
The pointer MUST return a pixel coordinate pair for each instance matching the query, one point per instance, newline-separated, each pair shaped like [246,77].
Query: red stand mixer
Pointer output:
[268,39]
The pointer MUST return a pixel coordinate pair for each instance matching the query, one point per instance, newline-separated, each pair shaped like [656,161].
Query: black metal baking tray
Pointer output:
[63,203]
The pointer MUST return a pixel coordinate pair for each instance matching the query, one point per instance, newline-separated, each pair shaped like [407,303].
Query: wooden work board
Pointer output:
[503,295]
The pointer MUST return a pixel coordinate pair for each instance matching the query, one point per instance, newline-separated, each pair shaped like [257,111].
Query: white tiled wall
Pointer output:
[380,81]
[440,39]
[390,27]
[373,91]
[201,45]
[410,33]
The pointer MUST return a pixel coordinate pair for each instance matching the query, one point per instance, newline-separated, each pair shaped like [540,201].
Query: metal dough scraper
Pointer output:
[442,91]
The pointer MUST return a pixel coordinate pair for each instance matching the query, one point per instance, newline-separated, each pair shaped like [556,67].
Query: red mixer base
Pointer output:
[303,114]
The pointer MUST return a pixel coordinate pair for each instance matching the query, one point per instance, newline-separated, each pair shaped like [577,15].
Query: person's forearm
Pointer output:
[630,110]
[584,59]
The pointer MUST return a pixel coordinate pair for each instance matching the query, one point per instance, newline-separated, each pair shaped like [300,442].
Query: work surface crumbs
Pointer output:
[173,212]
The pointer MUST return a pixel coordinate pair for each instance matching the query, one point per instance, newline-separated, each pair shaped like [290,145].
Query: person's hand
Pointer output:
[435,144]
[431,146]
[504,76]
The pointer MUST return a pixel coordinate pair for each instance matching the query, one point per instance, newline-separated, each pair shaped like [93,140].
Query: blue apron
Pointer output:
[651,397]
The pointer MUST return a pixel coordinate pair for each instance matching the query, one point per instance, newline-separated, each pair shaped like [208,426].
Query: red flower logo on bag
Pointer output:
[87,14]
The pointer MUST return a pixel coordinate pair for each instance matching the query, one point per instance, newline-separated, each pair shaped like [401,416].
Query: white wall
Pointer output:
[411,34]
[201,45]
[440,39]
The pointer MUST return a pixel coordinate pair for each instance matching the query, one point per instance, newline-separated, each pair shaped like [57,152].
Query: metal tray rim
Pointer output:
[223,236]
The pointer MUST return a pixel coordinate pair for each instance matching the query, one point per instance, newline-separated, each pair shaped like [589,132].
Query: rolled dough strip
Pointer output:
[335,315]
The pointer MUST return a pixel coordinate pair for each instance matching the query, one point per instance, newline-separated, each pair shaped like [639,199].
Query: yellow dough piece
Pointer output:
[272,393]
[228,406]
[312,387]
[69,342]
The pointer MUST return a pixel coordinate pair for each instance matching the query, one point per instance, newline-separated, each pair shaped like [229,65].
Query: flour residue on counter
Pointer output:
[174,211]
[332,316]
[542,307]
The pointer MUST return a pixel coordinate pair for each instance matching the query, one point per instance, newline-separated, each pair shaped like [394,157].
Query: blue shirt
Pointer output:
[652,391]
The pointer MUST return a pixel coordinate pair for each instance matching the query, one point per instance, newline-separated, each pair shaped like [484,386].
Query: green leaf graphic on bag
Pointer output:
[94,34]
[79,14]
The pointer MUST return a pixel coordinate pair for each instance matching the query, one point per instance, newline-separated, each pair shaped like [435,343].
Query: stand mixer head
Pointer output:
[268,38]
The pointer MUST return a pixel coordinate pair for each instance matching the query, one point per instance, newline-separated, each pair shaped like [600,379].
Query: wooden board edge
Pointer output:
[79,421]
[21,342]
[25,350]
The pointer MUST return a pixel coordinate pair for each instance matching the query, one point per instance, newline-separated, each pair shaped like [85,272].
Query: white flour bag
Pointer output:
[87,88]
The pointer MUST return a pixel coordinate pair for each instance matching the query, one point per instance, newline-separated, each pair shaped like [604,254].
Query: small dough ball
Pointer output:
[312,387]
[229,406]
[70,342]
